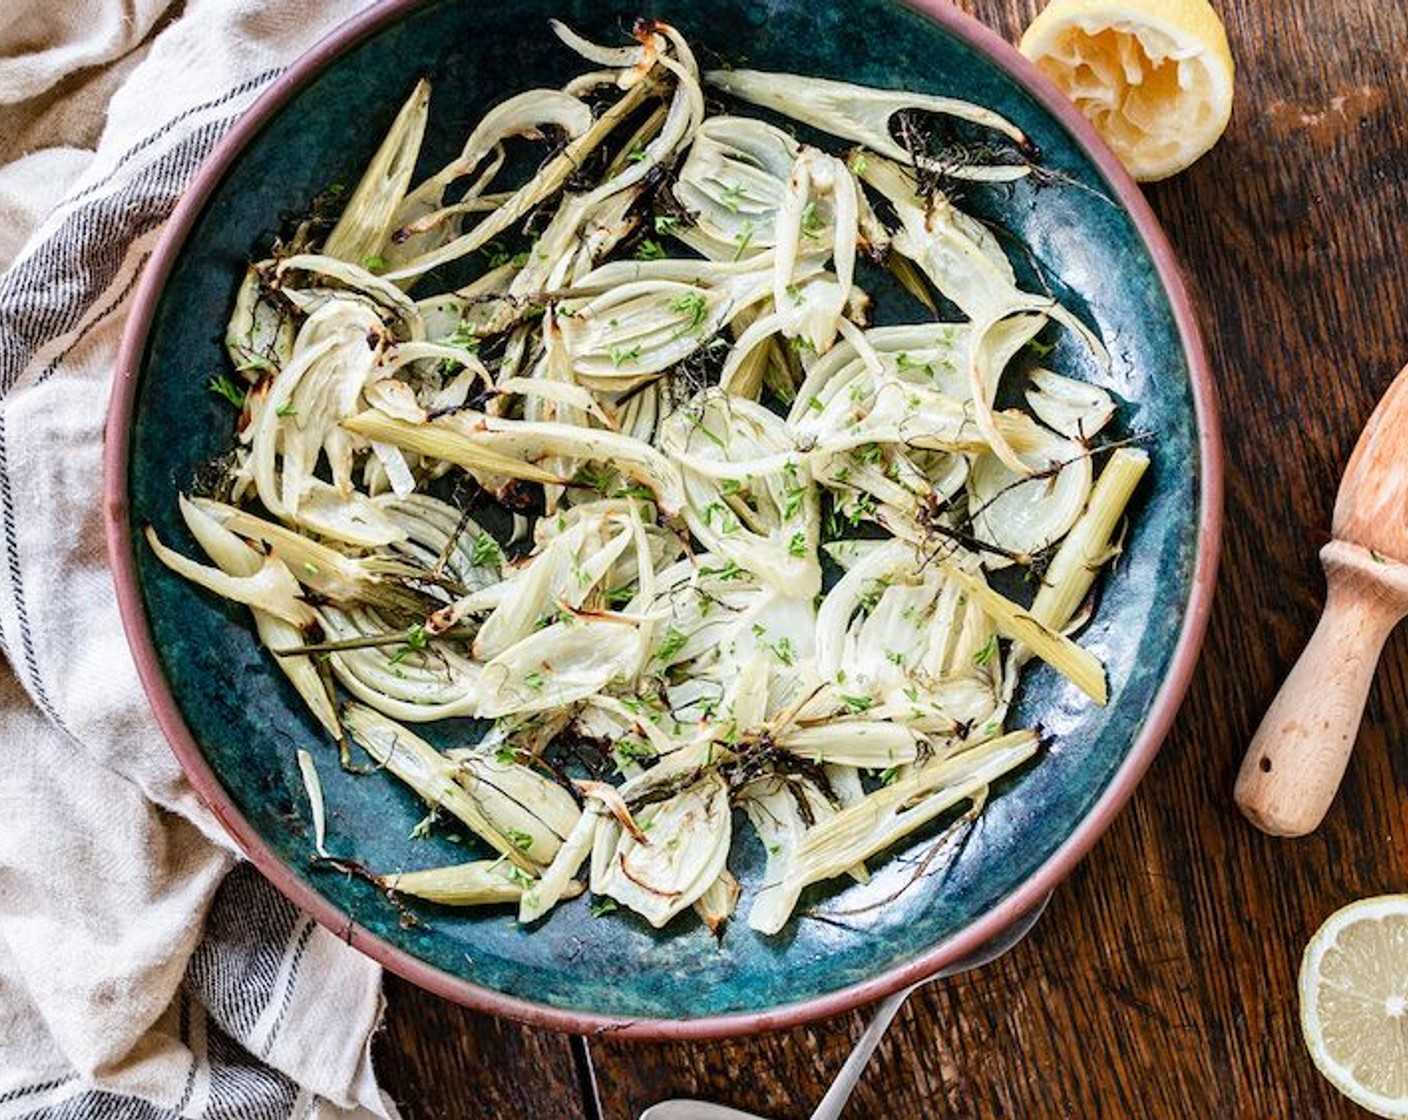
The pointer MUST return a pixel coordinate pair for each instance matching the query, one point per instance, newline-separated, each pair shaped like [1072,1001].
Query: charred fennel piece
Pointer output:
[717,905]
[313,786]
[1088,546]
[557,881]
[380,581]
[1081,667]
[864,114]
[883,818]
[512,447]
[966,264]
[477,883]
[367,220]
[270,588]
[434,777]
[678,858]
[1076,409]
[542,186]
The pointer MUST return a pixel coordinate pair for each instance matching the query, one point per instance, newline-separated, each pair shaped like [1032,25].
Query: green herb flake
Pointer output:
[694,307]
[731,570]
[633,748]
[620,355]
[744,237]
[464,337]
[603,905]
[986,653]
[857,703]
[672,643]
[486,552]
[224,387]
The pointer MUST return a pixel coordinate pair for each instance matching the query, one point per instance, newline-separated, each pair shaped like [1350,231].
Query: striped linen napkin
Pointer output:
[144,971]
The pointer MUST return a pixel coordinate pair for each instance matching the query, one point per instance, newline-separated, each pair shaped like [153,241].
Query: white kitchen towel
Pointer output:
[144,971]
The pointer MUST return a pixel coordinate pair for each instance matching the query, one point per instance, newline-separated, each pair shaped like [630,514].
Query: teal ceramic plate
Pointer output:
[235,724]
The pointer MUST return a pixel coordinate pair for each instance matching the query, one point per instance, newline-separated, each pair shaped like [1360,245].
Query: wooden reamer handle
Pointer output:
[1298,755]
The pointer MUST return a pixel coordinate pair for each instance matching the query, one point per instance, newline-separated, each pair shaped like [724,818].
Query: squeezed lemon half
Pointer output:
[1354,1002]
[1155,77]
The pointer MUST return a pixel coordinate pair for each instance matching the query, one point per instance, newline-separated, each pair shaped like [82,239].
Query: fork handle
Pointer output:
[1299,753]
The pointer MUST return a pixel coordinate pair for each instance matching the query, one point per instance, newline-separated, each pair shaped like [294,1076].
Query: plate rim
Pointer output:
[210,791]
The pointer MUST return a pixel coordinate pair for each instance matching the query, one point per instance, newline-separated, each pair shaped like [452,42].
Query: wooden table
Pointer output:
[1161,981]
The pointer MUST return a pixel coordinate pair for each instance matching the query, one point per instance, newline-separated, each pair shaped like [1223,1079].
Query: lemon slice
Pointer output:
[1153,76]
[1354,1002]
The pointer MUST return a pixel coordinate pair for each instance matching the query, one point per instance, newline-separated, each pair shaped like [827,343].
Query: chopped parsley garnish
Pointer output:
[672,643]
[731,570]
[988,651]
[464,337]
[744,237]
[732,196]
[632,748]
[695,307]
[620,355]
[486,552]
[222,386]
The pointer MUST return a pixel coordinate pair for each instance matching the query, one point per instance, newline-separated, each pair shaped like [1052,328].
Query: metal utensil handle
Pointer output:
[839,1094]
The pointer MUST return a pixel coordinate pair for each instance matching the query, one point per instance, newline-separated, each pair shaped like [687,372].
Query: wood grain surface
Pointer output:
[1161,981]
